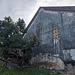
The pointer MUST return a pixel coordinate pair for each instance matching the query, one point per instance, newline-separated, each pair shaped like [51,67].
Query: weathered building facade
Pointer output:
[55,28]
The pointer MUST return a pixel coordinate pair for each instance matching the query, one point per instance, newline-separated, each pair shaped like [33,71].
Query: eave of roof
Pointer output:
[63,8]
[70,9]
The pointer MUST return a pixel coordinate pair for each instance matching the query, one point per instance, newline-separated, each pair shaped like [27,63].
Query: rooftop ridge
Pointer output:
[62,8]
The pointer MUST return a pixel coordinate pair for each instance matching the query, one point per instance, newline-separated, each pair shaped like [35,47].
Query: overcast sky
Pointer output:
[26,9]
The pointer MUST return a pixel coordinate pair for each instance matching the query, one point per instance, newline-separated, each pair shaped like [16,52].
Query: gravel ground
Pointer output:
[70,72]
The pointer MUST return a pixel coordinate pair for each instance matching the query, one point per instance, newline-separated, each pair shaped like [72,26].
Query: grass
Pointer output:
[5,71]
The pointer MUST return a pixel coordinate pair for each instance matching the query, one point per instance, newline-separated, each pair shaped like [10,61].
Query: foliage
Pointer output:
[27,47]
[21,25]
[11,41]
[10,36]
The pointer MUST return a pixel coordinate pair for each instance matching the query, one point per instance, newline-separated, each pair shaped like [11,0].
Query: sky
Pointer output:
[26,9]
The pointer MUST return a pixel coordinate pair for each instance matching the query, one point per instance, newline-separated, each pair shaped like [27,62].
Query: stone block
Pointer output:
[48,62]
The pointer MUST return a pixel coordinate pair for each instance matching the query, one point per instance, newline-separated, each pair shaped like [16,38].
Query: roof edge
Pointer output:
[33,18]
[46,8]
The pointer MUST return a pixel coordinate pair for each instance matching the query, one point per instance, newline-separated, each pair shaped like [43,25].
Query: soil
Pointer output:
[69,72]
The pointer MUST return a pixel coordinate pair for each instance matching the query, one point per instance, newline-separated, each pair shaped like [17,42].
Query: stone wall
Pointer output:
[45,60]
[42,27]
[69,54]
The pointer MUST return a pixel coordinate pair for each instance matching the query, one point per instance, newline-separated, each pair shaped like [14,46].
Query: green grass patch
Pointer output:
[26,71]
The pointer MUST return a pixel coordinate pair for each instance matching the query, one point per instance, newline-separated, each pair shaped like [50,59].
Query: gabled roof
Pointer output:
[58,9]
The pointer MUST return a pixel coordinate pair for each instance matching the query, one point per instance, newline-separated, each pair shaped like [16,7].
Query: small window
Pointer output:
[56,34]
